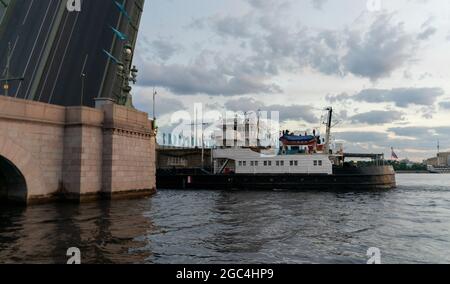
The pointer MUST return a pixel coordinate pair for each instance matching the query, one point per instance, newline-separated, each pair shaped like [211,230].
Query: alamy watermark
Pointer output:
[73,5]
[374,255]
[216,128]
[74,255]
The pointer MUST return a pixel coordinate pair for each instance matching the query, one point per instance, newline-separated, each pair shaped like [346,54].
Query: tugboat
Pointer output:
[302,162]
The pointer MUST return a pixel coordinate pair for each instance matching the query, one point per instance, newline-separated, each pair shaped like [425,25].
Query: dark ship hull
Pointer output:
[353,179]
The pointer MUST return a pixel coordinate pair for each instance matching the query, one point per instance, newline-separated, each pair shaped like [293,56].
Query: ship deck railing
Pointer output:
[377,159]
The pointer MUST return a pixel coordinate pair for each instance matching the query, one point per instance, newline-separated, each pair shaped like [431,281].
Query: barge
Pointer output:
[343,178]
[301,162]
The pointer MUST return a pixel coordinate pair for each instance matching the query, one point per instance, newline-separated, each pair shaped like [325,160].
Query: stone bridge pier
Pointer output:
[50,152]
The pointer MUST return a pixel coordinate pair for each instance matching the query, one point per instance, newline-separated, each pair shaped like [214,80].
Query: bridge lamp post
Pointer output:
[127,74]
[155,93]
[5,81]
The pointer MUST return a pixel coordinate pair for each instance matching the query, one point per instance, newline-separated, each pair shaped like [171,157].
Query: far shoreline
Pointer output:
[412,172]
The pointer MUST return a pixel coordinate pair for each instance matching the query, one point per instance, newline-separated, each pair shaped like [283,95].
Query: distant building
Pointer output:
[238,133]
[247,132]
[442,159]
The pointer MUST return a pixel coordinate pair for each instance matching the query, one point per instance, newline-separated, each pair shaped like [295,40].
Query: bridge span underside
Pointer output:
[52,48]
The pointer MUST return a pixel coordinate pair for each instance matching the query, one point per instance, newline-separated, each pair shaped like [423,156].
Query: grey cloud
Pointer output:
[144,102]
[264,4]
[291,112]
[361,137]
[428,112]
[338,98]
[233,26]
[295,112]
[414,138]
[199,79]
[401,97]
[417,138]
[445,105]
[164,49]
[167,105]
[318,4]
[428,21]
[421,138]
[374,53]
[425,76]
[290,50]
[244,105]
[252,66]
[197,24]
[422,132]
[377,117]
[380,51]
[428,30]
[427,33]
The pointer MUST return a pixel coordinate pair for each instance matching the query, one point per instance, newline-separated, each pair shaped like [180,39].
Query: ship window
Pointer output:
[315,163]
[291,163]
[282,163]
[278,163]
[176,161]
[265,163]
[295,163]
[244,163]
[270,163]
[256,163]
[320,163]
[252,163]
[240,163]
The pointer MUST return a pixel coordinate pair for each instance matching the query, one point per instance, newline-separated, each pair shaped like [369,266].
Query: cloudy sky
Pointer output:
[383,65]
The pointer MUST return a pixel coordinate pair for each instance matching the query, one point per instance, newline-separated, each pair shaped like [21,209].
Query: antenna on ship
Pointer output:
[328,135]
[438,147]
[258,129]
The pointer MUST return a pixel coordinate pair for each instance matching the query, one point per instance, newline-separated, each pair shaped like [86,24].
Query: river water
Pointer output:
[409,225]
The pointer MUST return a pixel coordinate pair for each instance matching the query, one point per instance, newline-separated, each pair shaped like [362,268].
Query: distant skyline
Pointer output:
[384,68]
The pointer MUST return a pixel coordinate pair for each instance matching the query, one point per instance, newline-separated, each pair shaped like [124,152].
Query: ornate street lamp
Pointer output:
[127,74]
[4,82]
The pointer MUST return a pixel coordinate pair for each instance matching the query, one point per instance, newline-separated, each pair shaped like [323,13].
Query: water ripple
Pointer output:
[409,225]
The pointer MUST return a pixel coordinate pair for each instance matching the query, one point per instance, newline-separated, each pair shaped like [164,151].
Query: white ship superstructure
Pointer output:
[293,154]
[247,161]
[439,164]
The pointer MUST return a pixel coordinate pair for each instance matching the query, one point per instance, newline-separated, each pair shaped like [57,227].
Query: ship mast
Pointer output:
[328,135]
[438,150]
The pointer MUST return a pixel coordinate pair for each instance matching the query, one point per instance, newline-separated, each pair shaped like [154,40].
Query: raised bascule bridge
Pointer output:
[68,128]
